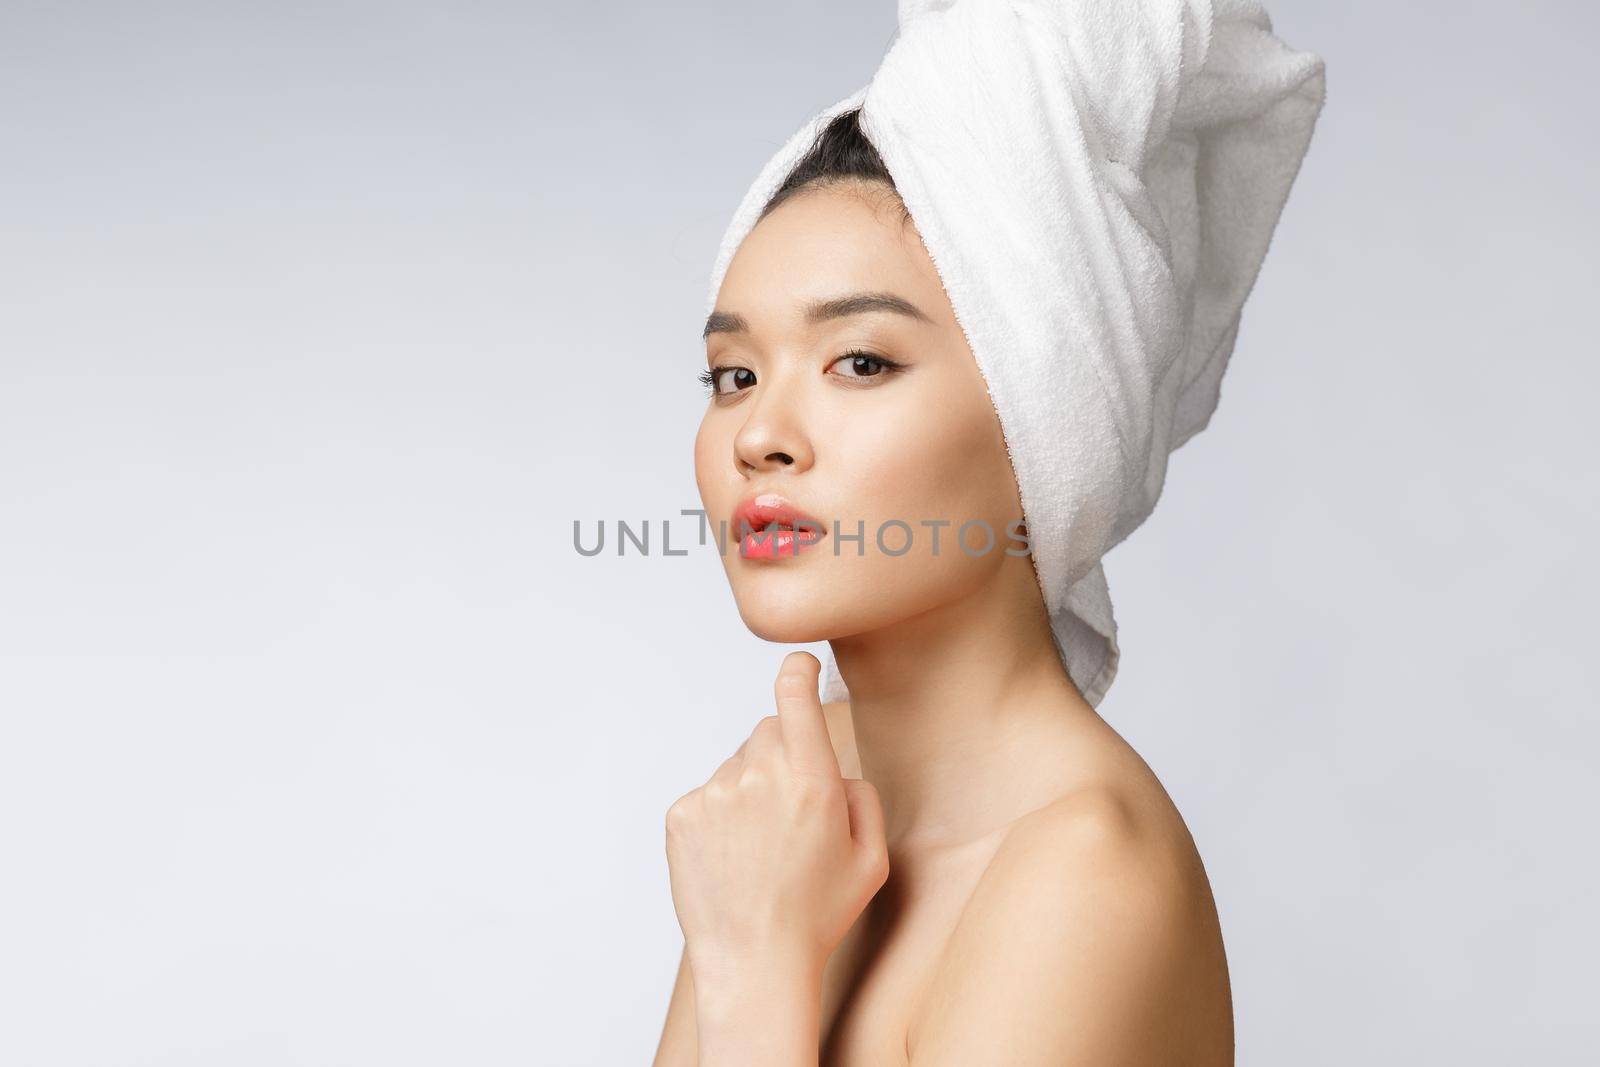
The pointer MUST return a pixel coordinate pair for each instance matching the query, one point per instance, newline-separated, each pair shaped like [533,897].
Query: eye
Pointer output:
[725,381]
[857,364]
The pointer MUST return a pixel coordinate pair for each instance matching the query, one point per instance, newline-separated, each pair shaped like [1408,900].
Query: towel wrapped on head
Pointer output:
[1096,183]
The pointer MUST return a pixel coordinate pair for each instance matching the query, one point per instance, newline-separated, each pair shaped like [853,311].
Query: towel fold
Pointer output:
[1096,182]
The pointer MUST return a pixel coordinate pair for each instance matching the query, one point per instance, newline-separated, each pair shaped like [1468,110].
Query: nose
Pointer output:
[773,435]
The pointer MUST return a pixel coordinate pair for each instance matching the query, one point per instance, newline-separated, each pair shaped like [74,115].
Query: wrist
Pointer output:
[767,971]
[757,1007]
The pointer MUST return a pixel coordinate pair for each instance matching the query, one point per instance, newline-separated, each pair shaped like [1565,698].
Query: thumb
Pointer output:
[866,820]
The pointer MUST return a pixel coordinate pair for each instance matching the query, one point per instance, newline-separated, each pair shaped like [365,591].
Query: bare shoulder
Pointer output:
[1091,937]
[1100,841]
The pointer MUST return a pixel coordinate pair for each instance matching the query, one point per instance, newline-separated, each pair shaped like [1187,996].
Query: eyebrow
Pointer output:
[822,310]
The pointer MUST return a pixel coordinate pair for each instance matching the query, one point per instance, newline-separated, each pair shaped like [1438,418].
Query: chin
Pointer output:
[788,632]
[788,613]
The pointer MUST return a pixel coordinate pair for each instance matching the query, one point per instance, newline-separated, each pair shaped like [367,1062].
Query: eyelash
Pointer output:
[708,377]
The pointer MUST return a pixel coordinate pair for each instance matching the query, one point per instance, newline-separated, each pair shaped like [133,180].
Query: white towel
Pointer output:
[1096,182]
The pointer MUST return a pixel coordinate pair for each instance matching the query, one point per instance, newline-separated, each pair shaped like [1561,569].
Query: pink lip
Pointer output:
[754,514]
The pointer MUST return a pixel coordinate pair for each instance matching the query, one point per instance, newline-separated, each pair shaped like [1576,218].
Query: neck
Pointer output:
[964,716]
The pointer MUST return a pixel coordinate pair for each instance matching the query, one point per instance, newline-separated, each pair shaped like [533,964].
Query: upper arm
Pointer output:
[1082,944]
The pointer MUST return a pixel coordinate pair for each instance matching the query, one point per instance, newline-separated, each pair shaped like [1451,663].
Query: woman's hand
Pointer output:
[775,857]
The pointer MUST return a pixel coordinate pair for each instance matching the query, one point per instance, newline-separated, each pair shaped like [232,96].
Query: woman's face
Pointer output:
[861,417]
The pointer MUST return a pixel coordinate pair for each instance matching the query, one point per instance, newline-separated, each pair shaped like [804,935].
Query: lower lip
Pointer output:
[778,544]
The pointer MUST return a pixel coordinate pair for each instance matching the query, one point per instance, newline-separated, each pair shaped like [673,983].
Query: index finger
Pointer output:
[806,743]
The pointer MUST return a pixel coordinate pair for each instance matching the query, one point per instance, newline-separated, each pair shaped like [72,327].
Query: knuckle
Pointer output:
[811,789]
[678,816]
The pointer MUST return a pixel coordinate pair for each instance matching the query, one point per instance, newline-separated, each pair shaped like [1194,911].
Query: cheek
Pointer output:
[705,454]
[934,455]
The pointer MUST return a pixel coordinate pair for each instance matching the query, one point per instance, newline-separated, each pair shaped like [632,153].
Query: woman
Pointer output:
[963,863]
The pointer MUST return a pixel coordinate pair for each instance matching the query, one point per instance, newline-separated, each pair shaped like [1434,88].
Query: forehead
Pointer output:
[826,241]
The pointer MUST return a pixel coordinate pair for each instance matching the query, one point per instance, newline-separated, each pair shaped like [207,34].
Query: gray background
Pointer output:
[319,744]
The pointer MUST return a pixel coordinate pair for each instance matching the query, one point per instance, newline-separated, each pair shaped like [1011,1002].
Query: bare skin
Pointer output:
[944,957]
[1043,901]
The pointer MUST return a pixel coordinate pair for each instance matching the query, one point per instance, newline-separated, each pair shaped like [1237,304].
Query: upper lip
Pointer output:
[760,510]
